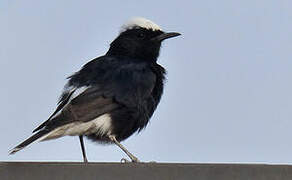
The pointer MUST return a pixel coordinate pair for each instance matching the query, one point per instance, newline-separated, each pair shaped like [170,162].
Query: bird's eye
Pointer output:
[141,35]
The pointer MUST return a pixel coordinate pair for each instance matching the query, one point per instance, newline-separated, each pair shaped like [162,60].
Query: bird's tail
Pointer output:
[28,141]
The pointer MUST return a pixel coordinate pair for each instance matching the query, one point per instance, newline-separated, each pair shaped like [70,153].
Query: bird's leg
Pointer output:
[133,158]
[83,148]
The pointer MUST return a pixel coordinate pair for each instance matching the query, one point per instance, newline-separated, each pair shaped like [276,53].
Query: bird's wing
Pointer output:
[67,96]
[99,88]
[83,107]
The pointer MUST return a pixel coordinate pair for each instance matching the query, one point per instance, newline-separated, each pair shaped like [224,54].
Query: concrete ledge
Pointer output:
[141,171]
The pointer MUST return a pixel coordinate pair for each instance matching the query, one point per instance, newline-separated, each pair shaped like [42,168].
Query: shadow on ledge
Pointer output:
[141,171]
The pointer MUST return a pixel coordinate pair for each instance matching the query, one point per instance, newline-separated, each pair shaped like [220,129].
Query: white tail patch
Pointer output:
[100,125]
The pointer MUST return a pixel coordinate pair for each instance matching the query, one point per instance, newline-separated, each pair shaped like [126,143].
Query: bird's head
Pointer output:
[139,38]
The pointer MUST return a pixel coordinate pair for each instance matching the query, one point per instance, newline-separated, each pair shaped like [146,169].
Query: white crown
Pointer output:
[140,22]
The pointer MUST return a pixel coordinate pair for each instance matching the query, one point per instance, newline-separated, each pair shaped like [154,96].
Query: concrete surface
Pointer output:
[141,171]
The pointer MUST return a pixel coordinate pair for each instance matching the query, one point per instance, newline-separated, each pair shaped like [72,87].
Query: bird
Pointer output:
[112,96]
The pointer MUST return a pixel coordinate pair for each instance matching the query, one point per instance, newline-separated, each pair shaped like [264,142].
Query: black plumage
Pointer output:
[114,95]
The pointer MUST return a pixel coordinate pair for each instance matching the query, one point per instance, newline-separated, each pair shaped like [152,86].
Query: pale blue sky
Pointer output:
[227,97]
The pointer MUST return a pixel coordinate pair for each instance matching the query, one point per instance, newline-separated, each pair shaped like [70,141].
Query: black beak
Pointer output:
[164,36]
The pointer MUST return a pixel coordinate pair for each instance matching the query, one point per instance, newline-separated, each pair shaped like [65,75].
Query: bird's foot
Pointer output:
[124,160]
[133,160]
[85,160]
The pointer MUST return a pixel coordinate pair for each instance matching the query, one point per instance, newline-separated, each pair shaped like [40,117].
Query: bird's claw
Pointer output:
[134,160]
[124,160]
